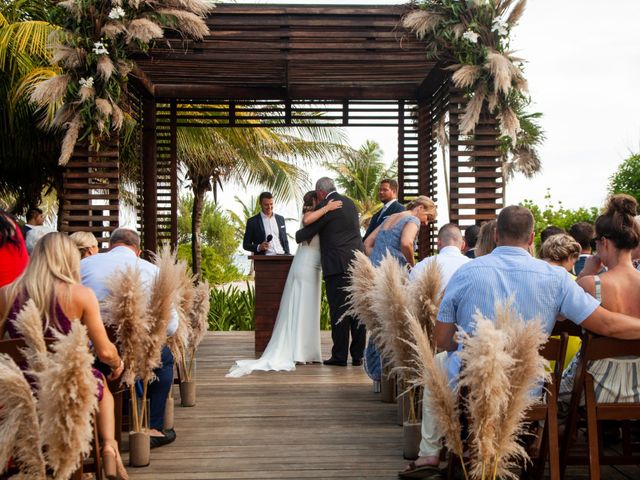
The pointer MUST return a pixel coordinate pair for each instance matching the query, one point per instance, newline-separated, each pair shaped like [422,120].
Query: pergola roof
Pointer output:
[255,52]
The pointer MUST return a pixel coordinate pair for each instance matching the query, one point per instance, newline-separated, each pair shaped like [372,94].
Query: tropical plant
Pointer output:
[232,309]
[472,39]
[92,51]
[626,179]
[248,156]
[557,215]
[217,239]
[29,167]
[358,174]
[249,209]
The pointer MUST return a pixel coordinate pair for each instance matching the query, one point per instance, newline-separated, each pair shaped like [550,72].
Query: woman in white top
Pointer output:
[296,333]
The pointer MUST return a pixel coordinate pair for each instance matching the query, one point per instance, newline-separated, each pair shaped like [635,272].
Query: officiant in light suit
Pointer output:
[266,233]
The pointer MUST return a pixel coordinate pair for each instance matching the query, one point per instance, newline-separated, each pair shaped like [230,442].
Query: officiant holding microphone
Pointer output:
[266,233]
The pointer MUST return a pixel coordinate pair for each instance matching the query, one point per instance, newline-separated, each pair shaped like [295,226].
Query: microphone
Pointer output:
[269,237]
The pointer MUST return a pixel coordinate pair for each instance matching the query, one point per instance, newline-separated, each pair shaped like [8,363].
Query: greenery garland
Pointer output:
[471,38]
[92,51]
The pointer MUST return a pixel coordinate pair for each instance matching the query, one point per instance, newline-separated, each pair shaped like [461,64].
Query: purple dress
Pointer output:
[65,328]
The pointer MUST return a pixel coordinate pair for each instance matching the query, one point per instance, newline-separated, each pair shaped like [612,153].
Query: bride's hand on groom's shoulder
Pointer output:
[333,205]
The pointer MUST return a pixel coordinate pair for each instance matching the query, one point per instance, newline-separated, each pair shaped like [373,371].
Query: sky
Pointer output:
[583,69]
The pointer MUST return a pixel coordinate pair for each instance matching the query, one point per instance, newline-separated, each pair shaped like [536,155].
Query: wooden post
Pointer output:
[149,175]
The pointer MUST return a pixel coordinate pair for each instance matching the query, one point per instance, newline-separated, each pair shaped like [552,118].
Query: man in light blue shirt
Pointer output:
[95,271]
[538,290]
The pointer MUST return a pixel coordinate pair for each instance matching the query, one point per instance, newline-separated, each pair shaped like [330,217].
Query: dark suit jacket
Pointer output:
[377,219]
[254,234]
[339,232]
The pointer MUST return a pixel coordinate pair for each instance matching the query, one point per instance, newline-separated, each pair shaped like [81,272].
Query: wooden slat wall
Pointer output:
[90,184]
[475,168]
[167,181]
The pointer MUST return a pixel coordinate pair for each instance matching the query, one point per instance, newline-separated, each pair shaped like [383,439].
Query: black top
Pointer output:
[377,219]
[339,232]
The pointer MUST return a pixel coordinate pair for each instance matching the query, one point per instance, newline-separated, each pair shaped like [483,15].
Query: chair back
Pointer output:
[597,348]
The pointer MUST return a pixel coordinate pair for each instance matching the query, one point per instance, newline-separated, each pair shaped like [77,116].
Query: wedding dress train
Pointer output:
[296,333]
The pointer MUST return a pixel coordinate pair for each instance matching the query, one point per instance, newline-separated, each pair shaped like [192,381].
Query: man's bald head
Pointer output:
[450,235]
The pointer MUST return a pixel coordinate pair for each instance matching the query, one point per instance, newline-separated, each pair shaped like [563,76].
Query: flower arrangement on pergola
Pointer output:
[472,39]
[92,52]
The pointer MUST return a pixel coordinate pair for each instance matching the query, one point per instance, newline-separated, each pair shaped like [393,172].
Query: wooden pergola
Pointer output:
[285,65]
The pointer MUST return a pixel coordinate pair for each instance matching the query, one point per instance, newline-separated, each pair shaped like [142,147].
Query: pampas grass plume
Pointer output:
[113,29]
[125,312]
[362,281]
[86,93]
[50,91]
[67,401]
[19,429]
[29,325]
[502,71]
[198,7]
[187,23]
[105,67]
[104,107]
[144,30]
[425,293]
[179,341]
[473,110]
[509,124]
[68,57]
[69,141]
[421,22]
[516,13]
[117,117]
[199,314]
[485,373]
[466,75]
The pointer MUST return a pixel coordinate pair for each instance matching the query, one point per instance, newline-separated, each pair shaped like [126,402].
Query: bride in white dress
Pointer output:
[296,333]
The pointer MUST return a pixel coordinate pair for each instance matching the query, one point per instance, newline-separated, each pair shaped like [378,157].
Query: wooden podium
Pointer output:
[270,276]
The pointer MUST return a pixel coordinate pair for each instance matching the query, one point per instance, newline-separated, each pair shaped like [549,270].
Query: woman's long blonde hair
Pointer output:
[54,260]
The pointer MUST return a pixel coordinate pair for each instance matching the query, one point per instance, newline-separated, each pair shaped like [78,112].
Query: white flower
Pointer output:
[116,13]
[470,36]
[99,48]
[86,82]
[500,26]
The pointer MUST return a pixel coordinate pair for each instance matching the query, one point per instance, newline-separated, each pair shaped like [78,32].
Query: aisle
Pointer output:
[315,423]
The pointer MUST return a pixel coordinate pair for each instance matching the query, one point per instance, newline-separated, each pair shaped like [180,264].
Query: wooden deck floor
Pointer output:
[315,423]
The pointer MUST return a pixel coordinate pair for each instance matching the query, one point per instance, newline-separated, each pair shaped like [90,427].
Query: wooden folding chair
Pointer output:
[93,464]
[544,444]
[598,348]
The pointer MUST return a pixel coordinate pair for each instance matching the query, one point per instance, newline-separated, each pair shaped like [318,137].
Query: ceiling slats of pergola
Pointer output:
[291,52]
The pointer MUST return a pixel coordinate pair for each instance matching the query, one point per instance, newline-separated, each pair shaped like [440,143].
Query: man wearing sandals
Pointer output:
[537,289]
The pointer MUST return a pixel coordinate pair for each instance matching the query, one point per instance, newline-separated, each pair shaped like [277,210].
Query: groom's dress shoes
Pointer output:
[356,363]
[333,361]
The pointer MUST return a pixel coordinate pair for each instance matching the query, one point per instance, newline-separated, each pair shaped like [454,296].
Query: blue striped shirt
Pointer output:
[539,290]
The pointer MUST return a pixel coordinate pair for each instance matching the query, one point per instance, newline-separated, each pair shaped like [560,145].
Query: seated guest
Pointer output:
[486,239]
[449,258]
[617,235]
[124,250]
[35,218]
[13,253]
[561,250]
[266,233]
[388,195]
[539,291]
[470,239]
[52,281]
[583,233]
[86,242]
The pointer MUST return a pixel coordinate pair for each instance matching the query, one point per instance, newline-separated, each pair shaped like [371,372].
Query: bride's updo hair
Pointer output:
[427,204]
[618,224]
[309,201]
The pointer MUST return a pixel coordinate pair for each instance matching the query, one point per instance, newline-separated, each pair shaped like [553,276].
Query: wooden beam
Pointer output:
[436,77]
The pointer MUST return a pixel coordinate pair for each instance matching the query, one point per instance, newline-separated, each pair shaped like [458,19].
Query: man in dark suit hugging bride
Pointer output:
[339,233]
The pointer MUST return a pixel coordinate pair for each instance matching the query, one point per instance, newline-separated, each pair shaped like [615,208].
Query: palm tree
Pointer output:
[29,166]
[249,156]
[358,173]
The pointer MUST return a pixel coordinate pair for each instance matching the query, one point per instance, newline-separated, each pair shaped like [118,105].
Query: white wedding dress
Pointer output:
[296,333]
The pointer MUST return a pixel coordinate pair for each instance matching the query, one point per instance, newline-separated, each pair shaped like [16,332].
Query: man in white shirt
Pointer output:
[124,250]
[266,233]
[449,258]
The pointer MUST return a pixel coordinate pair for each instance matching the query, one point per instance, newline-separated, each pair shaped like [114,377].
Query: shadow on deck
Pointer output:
[315,423]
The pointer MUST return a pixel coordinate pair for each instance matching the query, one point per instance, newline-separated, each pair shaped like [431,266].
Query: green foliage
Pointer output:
[626,179]
[232,309]
[219,243]
[558,215]
[325,315]
[249,209]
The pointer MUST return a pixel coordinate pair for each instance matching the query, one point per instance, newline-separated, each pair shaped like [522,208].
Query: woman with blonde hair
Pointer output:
[52,281]
[486,238]
[561,250]
[397,234]
[86,242]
